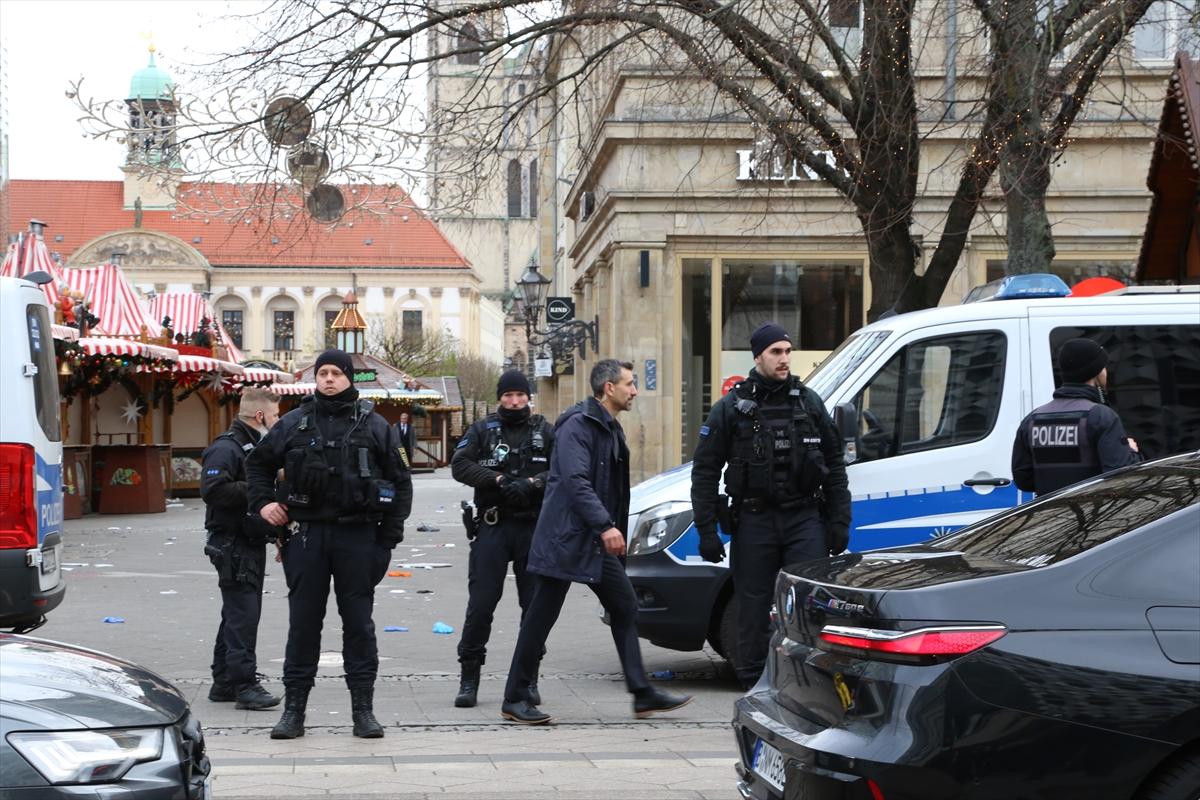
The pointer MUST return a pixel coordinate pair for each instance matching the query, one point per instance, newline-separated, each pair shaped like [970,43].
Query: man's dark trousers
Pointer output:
[616,595]
[350,555]
[234,660]
[491,551]
[765,542]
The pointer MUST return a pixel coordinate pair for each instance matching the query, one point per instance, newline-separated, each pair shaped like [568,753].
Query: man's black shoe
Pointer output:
[535,697]
[523,712]
[222,693]
[649,702]
[254,697]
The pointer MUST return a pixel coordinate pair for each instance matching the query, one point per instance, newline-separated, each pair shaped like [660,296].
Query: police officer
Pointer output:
[786,479]
[236,546]
[506,459]
[1075,436]
[346,483]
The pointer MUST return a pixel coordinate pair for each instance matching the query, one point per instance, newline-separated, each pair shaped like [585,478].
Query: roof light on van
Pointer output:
[1021,287]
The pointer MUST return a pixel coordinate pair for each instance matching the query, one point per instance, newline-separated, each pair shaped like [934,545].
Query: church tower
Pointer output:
[151,163]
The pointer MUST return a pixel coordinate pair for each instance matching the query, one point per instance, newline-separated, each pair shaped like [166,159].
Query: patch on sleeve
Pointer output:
[463,442]
[212,472]
[403,457]
[705,430]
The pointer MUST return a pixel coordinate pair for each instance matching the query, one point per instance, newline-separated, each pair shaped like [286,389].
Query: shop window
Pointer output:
[820,304]
[932,394]
[1165,29]
[410,324]
[231,321]
[330,337]
[514,188]
[283,329]
[1074,271]
[468,37]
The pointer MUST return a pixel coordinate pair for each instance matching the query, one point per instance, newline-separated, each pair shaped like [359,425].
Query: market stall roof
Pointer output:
[377,380]
[29,254]
[108,346]
[421,397]
[264,375]
[186,309]
[113,300]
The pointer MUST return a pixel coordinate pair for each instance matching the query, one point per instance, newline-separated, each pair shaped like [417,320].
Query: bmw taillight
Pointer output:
[18,497]
[932,643]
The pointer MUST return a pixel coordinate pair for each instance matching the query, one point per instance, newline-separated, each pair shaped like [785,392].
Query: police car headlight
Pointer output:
[659,526]
[87,756]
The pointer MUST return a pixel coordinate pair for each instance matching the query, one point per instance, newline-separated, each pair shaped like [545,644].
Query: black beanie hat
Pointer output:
[512,381]
[766,335]
[338,358]
[1080,360]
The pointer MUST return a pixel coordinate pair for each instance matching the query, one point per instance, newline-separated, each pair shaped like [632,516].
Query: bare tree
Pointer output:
[830,85]
[424,355]
[477,378]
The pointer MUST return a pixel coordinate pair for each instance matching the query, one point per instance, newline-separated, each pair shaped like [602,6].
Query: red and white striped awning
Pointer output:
[293,388]
[64,332]
[105,346]
[186,309]
[113,300]
[264,375]
[29,254]
[190,363]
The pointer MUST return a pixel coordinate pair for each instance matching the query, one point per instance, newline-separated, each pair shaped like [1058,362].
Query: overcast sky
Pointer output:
[50,43]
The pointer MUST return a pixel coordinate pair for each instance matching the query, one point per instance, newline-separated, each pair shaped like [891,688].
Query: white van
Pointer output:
[936,397]
[31,493]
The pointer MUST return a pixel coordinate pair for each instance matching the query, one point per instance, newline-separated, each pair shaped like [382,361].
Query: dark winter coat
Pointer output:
[587,493]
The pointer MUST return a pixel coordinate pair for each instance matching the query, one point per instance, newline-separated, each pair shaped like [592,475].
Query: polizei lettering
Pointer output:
[1055,435]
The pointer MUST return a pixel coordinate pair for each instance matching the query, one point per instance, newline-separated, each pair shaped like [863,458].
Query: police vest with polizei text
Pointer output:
[527,459]
[354,487]
[776,449]
[1063,452]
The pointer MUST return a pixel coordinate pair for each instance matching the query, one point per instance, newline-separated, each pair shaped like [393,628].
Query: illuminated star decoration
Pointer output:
[216,382]
[131,412]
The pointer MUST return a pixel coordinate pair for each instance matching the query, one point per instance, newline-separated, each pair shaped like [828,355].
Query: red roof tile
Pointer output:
[81,211]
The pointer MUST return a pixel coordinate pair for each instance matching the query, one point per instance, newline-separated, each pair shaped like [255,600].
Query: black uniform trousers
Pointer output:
[616,596]
[349,554]
[234,659]
[493,547]
[765,542]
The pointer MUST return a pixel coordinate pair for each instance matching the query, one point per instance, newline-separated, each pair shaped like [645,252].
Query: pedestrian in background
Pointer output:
[347,485]
[785,473]
[580,538]
[505,457]
[1075,436]
[407,436]
[237,546]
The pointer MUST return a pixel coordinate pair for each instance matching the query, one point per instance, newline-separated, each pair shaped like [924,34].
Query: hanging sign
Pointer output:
[543,367]
[363,375]
[560,309]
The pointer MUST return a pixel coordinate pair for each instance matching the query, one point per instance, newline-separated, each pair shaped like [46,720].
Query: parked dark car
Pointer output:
[76,723]
[1049,652]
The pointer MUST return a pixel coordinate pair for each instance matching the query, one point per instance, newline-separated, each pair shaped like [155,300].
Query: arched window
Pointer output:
[533,188]
[514,188]
[468,37]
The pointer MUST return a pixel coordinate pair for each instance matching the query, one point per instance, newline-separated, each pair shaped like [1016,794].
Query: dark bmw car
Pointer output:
[1049,652]
[75,723]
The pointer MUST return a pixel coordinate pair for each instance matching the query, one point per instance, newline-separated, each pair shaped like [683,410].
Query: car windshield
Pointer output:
[830,373]
[1076,520]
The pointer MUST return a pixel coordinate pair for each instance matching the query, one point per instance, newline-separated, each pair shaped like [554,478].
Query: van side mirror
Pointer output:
[845,419]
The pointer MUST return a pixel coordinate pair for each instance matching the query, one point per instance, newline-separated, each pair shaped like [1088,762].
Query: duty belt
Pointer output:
[758,505]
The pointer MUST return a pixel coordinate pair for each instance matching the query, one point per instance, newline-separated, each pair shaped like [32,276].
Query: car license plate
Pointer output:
[49,561]
[768,763]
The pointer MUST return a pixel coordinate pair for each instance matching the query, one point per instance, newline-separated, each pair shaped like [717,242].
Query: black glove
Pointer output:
[313,474]
[712,549]
[837,536]
[518,493]
[390,534]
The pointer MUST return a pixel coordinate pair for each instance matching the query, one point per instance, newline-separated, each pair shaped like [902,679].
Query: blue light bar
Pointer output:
[1021,287]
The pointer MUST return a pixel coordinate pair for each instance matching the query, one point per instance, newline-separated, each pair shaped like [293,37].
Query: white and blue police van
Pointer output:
[930,402]
[31,487]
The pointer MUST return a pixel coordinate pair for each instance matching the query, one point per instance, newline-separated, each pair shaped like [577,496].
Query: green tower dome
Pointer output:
[151,83]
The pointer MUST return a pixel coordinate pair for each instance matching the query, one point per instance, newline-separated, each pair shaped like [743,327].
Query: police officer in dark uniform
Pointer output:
[346,483]
[1075,436]
[236,545]
[786,478]
[506,458]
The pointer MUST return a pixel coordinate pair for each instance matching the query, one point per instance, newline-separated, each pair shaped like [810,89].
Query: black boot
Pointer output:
[362,700]
[291,722]
[253,697]
[468,685]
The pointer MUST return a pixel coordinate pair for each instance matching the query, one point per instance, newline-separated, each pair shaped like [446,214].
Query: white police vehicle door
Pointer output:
[936,416]
[31,502]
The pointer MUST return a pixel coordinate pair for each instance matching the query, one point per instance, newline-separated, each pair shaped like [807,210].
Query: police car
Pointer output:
[931,401]
[31,495]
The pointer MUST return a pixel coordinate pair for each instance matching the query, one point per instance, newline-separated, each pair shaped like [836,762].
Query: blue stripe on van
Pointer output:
[49,498]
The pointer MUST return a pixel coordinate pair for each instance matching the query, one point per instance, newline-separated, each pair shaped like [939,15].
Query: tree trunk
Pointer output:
[893,262]
[1030,240]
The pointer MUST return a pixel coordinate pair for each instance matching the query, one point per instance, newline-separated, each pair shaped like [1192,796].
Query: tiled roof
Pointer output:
[80,211]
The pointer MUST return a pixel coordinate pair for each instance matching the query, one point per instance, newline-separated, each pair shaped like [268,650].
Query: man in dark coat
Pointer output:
[580,539]
[236,545]
[1075,436]
[408,436]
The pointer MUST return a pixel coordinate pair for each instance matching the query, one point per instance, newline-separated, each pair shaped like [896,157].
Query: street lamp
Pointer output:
[561,338]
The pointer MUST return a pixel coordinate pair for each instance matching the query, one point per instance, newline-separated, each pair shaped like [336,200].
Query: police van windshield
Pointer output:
[838,366]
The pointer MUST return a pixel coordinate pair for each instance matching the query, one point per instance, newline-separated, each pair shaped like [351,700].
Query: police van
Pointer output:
[31,492]
[930,402]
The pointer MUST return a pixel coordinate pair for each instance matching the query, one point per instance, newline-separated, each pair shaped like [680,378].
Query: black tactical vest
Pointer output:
[776,449]
[527,459]
[230,521]
[1063,453]
[353,488]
